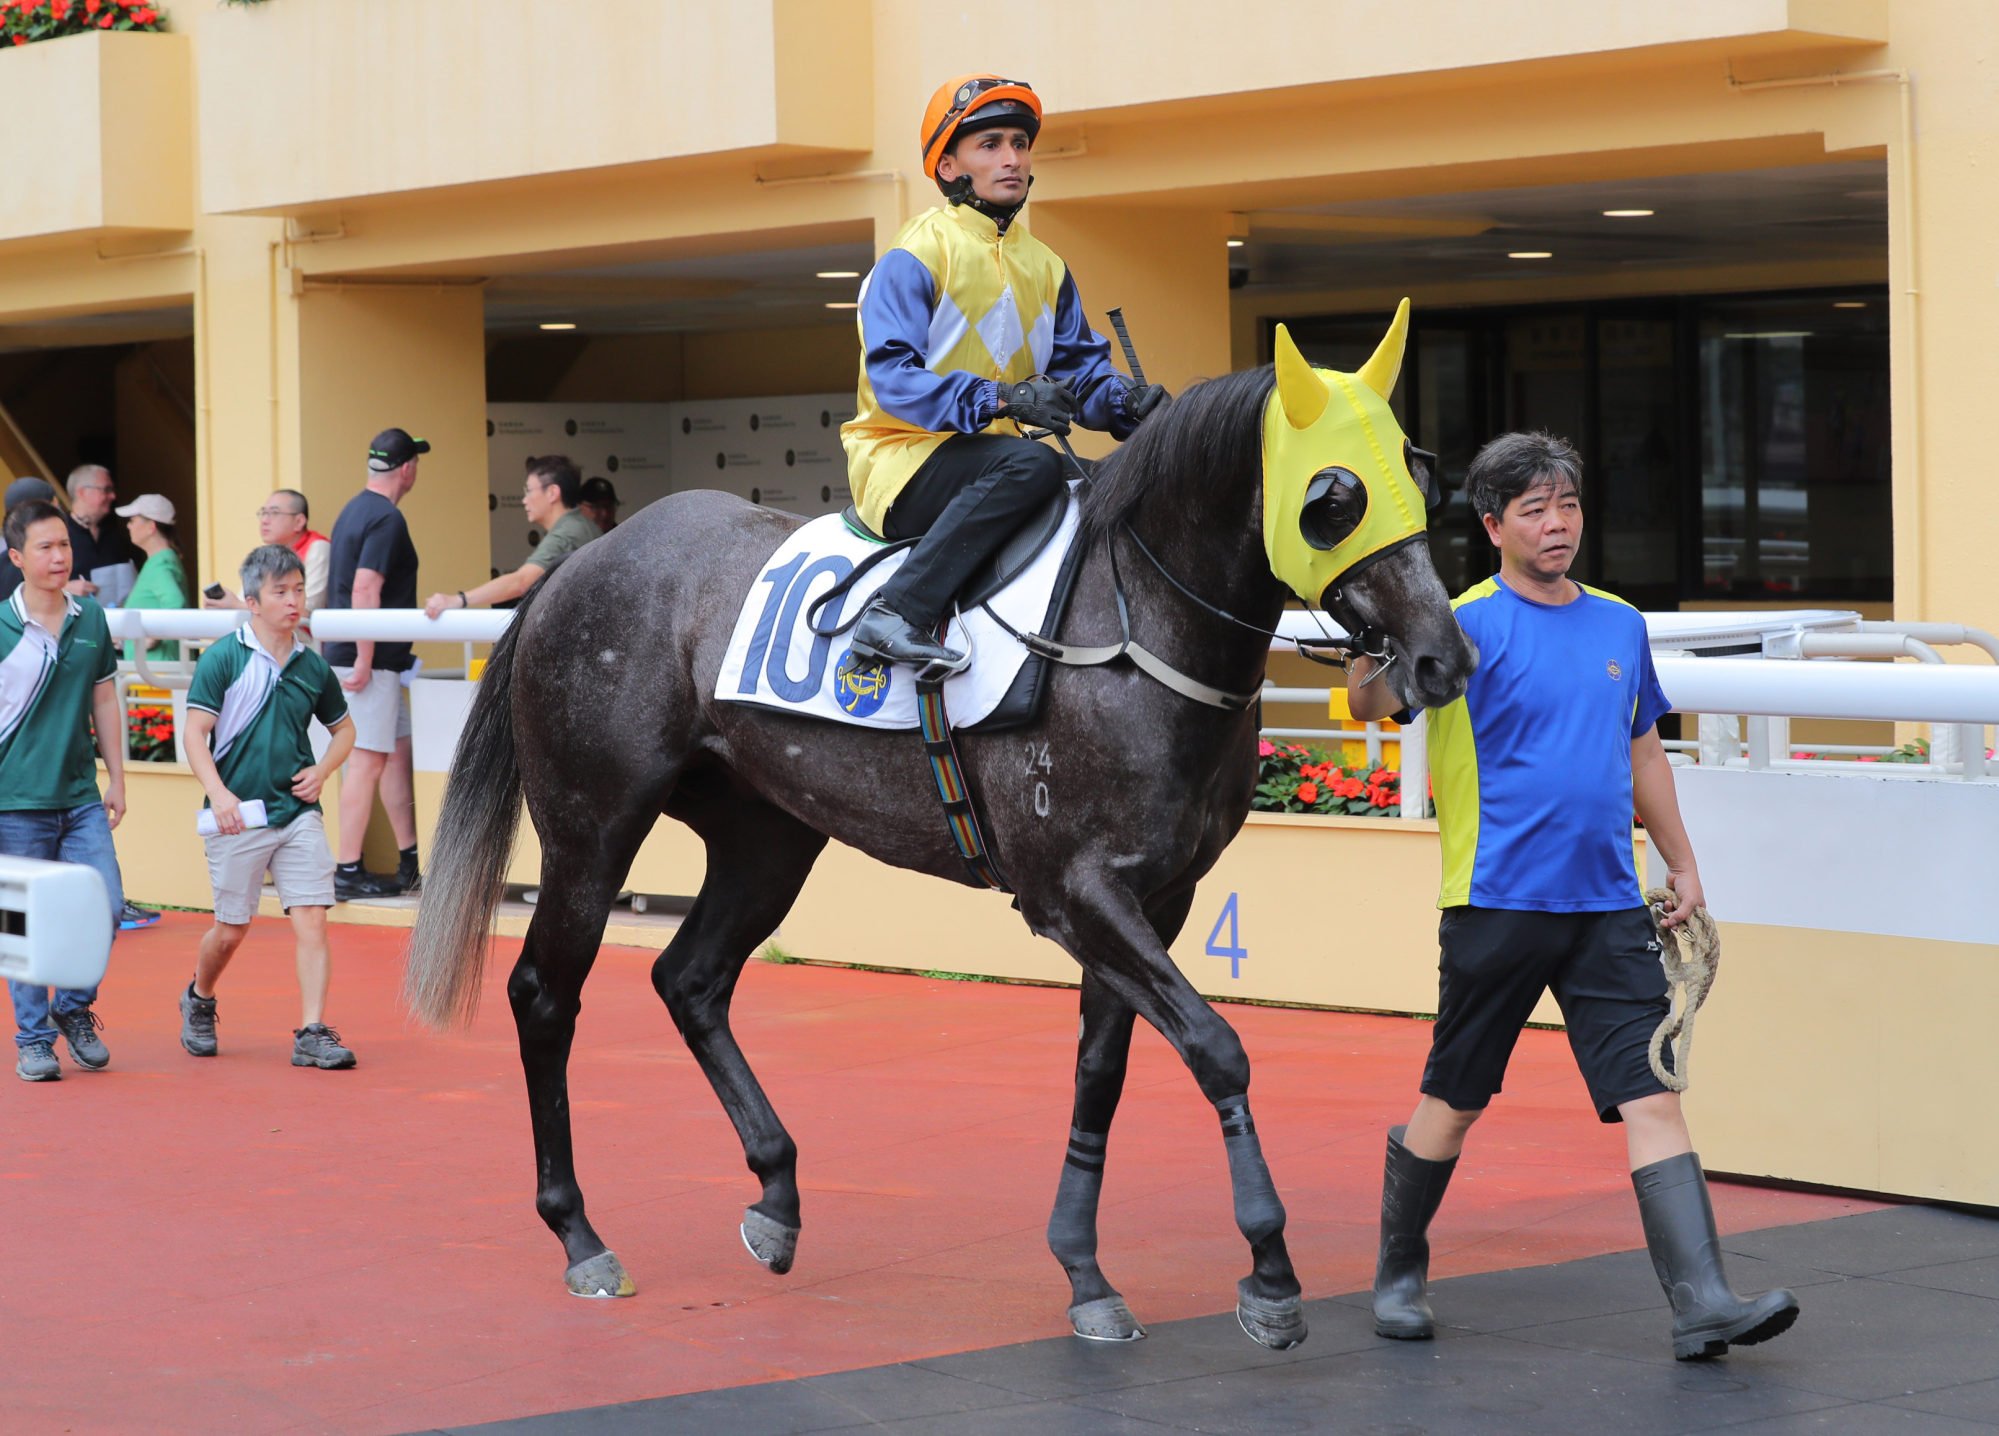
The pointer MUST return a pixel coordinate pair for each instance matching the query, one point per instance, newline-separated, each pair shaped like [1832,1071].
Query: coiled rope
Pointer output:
[1690,954]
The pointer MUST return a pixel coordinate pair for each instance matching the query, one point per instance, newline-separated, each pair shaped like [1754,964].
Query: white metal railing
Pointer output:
[1812,677]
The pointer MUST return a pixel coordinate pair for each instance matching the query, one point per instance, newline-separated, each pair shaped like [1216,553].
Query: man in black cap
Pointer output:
[374,566]
[599,503]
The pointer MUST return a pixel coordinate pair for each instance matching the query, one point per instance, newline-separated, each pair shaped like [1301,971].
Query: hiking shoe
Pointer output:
[360,883]
[197,1023]
[134,916]
[79,1030]
[319,1046]
[37,1063]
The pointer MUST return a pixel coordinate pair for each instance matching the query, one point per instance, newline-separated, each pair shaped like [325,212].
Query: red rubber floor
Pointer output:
[234,1244]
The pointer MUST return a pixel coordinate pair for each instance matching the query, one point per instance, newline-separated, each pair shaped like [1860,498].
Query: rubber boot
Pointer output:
[1411,1189]
[1708,1317]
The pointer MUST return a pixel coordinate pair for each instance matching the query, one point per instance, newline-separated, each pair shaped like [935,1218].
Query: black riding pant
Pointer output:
[967,500]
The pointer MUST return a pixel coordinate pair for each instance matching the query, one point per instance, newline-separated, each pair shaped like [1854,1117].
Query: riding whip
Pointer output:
[1116,317]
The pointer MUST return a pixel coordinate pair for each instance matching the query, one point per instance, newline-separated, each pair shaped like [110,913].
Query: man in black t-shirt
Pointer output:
[374,566]
[102,559]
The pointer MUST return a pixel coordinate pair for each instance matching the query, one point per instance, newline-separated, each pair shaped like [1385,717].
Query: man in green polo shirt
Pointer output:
[549,498]
[56,671]
[254,695]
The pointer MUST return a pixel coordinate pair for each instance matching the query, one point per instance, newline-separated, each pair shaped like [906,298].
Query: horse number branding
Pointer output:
[1039,761]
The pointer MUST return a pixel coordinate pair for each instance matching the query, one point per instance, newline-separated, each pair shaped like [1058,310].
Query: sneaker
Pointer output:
[79,1030]
[348,885]
[136,916]
[197,1023]
[319,1046]
[38,1063]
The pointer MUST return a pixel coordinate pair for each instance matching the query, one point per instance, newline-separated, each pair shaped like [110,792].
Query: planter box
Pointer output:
[110,126]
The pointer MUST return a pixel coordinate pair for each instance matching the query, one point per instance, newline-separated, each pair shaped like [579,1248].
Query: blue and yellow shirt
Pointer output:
[1532,767]
[952,311]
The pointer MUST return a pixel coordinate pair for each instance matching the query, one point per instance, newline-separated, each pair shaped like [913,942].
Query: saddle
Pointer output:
[1022,703]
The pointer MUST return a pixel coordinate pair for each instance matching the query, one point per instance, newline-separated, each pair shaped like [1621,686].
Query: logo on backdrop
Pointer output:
[860,685]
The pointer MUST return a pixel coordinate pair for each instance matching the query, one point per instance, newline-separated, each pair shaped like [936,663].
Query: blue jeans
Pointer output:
[73,835]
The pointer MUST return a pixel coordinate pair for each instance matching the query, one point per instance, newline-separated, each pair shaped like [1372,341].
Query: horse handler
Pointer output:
[1537,771]
[971,328]
[253,696]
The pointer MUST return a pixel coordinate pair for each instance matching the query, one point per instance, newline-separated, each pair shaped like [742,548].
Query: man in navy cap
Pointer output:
[374,566]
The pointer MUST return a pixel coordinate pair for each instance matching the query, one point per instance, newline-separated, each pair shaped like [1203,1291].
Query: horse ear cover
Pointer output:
[1316,419]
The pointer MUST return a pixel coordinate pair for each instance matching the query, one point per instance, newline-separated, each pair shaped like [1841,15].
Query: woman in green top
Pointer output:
[149,519]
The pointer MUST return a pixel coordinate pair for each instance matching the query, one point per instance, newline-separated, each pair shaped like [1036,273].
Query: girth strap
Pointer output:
[960,813]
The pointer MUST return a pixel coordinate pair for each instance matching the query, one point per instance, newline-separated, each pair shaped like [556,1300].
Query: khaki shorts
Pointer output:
[381,711]
[296,856]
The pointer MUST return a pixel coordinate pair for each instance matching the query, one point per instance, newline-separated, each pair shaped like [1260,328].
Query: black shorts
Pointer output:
[1494,965]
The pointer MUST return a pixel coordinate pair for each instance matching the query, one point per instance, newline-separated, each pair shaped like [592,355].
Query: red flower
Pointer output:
[20,39]
[145,15]
[1308,793]
[1265,748]
[104,22]
[91,7]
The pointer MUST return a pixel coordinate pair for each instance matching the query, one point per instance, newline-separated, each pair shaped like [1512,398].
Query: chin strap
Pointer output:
[959,191]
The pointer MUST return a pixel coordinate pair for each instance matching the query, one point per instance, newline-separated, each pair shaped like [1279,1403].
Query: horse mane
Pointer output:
[1212,433]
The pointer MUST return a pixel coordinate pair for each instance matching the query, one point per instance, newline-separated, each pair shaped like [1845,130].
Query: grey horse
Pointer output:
[597,706]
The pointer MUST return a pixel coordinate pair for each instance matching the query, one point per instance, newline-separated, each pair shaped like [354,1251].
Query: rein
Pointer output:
[1364,641]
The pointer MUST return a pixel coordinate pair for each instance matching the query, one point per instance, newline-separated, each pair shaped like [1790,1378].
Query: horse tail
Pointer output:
[471,849]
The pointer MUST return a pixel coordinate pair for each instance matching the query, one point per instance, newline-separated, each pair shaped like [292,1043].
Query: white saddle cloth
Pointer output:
[774,659]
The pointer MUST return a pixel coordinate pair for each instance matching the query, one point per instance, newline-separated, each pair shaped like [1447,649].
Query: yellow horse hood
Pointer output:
[1336,484]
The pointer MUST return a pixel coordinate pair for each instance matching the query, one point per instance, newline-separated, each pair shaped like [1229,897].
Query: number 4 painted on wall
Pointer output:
[1235,952]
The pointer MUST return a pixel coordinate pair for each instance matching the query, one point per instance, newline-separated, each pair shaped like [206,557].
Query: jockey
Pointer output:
[971,331]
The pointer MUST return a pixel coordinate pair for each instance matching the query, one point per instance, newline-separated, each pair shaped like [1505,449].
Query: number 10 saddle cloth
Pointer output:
[790,650]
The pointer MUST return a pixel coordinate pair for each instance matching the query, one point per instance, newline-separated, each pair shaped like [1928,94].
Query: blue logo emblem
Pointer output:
[860,685]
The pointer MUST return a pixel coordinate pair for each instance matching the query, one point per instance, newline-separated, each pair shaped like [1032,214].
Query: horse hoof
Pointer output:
[1105,1319]
[1279,1324]
[769,1241]
[603,1275]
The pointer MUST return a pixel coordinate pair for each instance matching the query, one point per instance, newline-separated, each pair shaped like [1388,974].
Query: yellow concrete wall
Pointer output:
[112,147]
[459,91]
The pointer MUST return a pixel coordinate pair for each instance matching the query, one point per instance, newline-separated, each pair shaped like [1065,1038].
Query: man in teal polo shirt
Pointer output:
[56,669]
[254,695]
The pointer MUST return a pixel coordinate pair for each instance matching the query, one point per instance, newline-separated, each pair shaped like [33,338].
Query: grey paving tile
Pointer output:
[837,1402]
[1202,1347]
[1863,1339]
[1974,1401]
[1973,1278]
[1875,1242]
[1039,1418]
[1861,1419]
[1478,1384]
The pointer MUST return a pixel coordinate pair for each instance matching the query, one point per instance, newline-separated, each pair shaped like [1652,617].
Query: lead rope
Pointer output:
[1690,955]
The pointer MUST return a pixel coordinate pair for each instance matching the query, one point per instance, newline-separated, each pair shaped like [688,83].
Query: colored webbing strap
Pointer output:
[952,790]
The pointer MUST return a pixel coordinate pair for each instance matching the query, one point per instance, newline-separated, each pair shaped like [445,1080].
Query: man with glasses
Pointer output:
[550,498]
[103,562]
[286,519]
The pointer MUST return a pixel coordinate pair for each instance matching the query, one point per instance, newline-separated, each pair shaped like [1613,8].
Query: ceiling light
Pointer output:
[558,324]
[843,304]
[1530,254]
[1235,244]
[839,274]
[1849,304]
[1628,213]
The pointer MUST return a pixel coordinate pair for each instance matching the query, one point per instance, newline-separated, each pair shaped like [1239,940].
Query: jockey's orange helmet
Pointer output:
[975,102]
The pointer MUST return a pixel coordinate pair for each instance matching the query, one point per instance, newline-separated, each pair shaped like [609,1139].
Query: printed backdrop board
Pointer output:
[782,452]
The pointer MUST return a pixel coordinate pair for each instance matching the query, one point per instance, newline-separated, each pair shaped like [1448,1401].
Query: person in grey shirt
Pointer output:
[551,494]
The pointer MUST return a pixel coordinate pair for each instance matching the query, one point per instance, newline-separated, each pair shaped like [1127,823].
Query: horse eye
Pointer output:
[1335,502]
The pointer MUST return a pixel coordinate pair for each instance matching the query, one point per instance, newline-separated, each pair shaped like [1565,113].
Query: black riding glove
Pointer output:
[1039,403]
[1142,399]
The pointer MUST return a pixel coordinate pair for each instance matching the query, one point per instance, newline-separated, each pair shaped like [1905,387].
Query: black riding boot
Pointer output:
[1708,1317]
[1411,1189]
[884,634]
